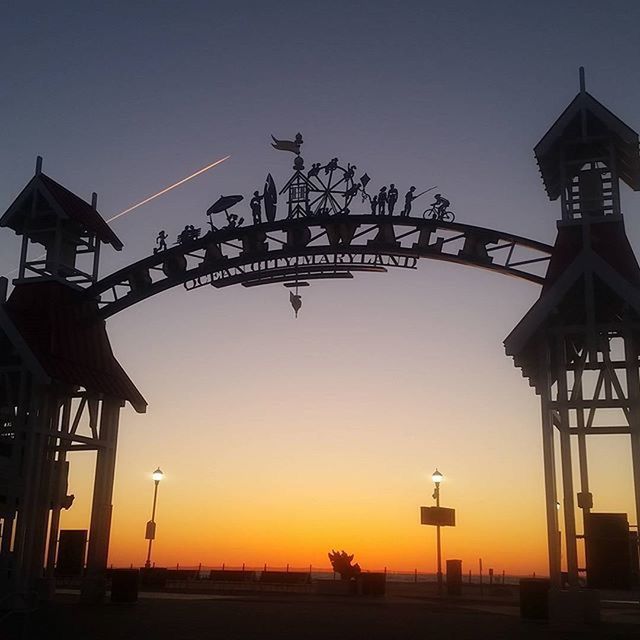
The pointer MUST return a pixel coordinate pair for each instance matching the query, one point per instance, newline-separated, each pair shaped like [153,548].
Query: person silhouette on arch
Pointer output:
[382,200]
[392,198]
[408,199]
[161,241]
[374,205]
[256,209]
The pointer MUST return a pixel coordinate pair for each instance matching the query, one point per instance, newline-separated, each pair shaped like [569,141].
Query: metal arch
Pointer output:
[319,247]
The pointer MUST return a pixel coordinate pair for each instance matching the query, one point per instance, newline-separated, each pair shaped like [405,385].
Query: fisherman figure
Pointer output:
[374,205]
[161,241]
[382,200]
[255,207]
[408,199]
[392,197]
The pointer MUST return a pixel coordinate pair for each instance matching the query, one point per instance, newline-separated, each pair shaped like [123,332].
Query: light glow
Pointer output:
[157,475]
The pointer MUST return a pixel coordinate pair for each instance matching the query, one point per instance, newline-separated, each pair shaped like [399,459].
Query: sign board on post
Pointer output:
[438,516]
[151,531]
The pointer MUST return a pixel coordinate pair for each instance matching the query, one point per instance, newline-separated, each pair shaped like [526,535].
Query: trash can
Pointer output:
[534,598]
[372,584]
[153,578]
[124,585]
[454,577]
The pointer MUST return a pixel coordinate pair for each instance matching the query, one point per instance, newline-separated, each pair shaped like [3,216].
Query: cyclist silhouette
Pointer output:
[440,205]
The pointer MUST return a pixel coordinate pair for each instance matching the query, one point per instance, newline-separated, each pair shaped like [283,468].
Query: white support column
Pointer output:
[548,450]
[566,465]
[633,393]
[33,512]
[59,479]
[94,586]
[553,535]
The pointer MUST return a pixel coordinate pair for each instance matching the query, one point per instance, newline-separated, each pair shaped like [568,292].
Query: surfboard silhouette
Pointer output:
[270,199]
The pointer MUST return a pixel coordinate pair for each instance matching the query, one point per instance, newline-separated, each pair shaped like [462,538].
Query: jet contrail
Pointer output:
[135,206]
[173,186]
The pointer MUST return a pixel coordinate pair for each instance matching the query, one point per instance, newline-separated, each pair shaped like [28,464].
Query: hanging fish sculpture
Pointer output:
[296,301]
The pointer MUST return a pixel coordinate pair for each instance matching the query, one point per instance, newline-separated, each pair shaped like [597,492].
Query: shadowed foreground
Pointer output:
[231,618]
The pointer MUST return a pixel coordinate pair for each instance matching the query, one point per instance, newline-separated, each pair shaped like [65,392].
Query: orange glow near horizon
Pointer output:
[281,439]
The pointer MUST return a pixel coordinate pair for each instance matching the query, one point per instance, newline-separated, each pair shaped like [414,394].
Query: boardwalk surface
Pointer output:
[300,618]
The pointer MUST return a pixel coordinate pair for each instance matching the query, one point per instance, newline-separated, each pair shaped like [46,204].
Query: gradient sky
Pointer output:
[284,438]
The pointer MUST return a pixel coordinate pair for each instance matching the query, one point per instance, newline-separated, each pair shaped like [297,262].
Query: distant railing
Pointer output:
[253,573]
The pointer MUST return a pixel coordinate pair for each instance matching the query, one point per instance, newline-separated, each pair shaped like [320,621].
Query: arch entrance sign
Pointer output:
[61,389]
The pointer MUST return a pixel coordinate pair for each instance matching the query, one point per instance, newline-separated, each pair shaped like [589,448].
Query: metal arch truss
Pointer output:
[320,247]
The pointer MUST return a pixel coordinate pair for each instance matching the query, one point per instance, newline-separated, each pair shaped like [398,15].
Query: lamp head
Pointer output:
[437,477]
[157,475]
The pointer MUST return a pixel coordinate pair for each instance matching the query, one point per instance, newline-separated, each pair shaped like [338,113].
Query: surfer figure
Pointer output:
[408,199]
[392,198]
[382,200]
[161,241]
[374,205]
[256,210]
[296,301]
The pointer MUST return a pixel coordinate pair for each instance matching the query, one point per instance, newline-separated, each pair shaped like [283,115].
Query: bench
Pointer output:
[232,575]
[285,577]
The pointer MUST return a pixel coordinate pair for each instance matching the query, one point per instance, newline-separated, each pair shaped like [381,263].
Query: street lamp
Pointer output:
[437,479]
[150,535]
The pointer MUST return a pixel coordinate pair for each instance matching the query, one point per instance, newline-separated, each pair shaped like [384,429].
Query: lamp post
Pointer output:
[150,535]
[437,479]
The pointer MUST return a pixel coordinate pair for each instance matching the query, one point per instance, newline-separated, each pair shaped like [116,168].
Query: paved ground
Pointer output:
[283,617]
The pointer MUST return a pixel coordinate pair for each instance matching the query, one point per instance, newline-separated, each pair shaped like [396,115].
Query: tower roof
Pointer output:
[63,202]
[587,122]
[616,288]
[66,340]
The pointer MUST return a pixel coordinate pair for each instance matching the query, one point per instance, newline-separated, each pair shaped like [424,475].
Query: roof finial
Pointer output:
[582,83]
[94,200]
[38,165]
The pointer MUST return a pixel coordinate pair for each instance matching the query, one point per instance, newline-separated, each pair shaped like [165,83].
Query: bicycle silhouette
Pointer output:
[437,213]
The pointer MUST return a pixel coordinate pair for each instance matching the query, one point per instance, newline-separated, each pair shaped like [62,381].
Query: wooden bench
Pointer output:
[285,577]
[232,575]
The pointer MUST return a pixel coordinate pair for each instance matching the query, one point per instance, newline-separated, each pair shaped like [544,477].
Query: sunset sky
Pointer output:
[281,438]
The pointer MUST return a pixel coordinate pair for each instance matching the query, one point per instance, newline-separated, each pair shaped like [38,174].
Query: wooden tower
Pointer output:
[61,388]
[579,345]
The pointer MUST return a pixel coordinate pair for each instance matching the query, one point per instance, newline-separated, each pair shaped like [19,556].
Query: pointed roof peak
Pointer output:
[69,203]
[582,81]
[585,121]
